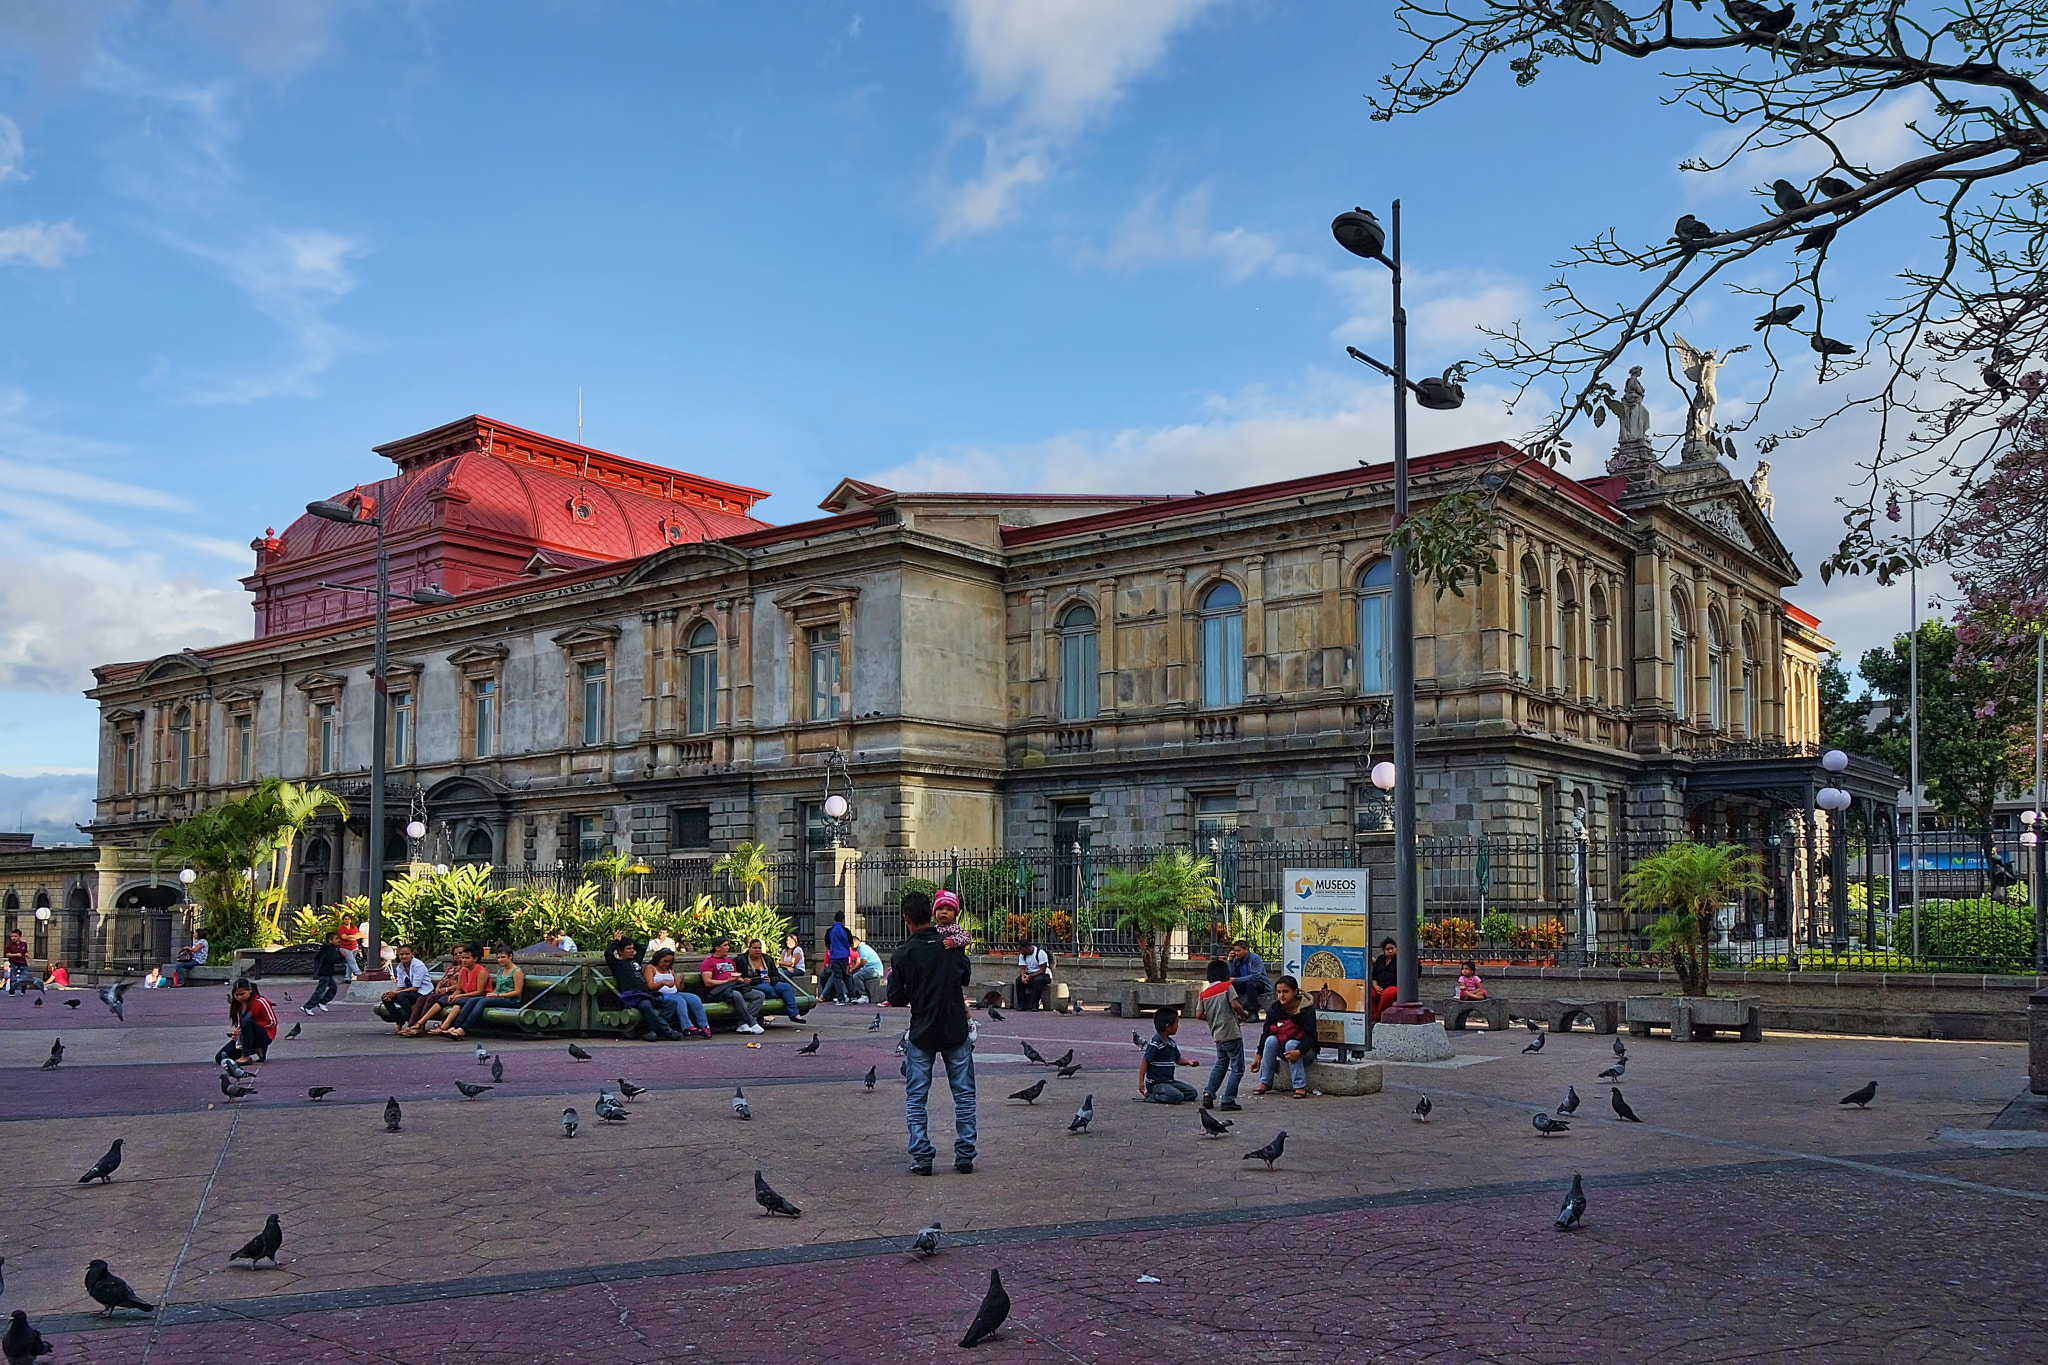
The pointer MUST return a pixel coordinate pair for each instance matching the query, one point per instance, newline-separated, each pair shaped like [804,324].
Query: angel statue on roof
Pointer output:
[1701,367]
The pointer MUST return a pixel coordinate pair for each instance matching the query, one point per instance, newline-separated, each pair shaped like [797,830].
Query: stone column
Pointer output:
[1330,628]
[1176,637]
[1105,647]
[1255,625]
[1037,692]
[835,886]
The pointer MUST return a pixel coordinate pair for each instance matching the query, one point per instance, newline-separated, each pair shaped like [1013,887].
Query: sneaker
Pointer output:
[306,1010]
[921,1168]
[964,1167]
[1231,1106]
[323,1009]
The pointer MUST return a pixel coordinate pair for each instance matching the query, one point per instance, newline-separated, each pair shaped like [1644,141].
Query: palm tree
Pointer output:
[1689,882]
[295,806]
[747,868]
[1158,899]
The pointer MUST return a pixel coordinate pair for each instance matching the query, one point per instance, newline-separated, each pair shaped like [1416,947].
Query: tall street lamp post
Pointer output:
[1834,801]
[1360,233]
[354,514]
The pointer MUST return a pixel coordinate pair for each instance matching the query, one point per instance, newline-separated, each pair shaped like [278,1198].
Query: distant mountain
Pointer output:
[50,806]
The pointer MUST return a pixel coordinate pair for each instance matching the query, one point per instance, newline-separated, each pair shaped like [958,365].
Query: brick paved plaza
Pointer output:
[1748,1217]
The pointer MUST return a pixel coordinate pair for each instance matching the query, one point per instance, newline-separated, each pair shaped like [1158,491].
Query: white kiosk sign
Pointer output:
[1326,924]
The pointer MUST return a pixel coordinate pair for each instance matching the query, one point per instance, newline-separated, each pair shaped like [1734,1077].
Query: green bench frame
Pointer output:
[566,993]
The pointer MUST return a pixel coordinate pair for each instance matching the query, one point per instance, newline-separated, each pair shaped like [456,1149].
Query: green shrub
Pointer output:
[916,884]
[1252,926]
[313,926]
[1496,926]
[1826,960]
[538,912]
[434,913]
[702,928]
[1980,935]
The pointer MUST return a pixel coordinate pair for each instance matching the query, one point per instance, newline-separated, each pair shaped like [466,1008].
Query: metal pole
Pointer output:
[1913,713]
[1408,961]
[379,716]
[2040,868]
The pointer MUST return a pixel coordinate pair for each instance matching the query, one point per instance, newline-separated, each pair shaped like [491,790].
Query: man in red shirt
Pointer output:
[722,982]
[17,962]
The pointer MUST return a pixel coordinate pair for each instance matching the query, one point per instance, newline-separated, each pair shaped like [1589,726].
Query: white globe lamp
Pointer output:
[415,830]
[187,876]
[1383,776]
[835,807]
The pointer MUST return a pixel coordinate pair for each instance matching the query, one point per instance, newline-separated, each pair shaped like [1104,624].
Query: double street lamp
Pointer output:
[353,514]
[1360,233]
[1834,801]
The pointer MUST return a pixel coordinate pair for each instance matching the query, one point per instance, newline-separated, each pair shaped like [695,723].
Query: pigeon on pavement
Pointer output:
[483,1054]
[927,1243]
[497,1070]
[1030,1093]
[1422,1108]
[319,1092]
[103,1169]
[1861,1098]
[1083,1116]
[739,1103]
[1615,1072]
[1620,1048]
[470,1092]
[230,1067]
[56,1055]
[995,1014]
[570,1123]
[876,1027]
[263,1246]
[1069,1069]
[1621,1109]
[22,1343]
[392,1114]
[1136,1041]
[610,1110]
[1212,1125]
[68,1004]
[1532,1025]
[1571,1102]
[111,1291]
[1547,1125]
[578,1053]
[1064,1059]
[995,1306]
[808,1048]
[235,1090]
[629,1091]
[1031,1053]
[1574,1206]
[772,1202]
[1269,1153]
[296,1031]
[110,995]
[868,1081]
[1536,1046]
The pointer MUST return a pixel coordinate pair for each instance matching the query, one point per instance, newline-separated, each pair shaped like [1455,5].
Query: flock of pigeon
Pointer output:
[1574,1209]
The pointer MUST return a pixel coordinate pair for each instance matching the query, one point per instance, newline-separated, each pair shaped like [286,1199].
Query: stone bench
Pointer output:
[1692,1018]
[575,1000]
[1454,1012]
[1603,1016]
[1139,998]
[1345,1078]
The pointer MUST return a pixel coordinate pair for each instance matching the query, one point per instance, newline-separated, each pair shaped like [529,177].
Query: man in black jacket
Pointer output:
[931,978]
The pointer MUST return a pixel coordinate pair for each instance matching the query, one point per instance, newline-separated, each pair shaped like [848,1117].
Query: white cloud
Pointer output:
[272,38]
[48,245]
[1042,71]
[10,150]
[293,278]
[1152,233]
[50,803]
[71,484]
[1879,138]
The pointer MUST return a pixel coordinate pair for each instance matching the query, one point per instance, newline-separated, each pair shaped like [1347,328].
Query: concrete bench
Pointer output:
[1692,1018]
[1454,1012]
[1603,1016]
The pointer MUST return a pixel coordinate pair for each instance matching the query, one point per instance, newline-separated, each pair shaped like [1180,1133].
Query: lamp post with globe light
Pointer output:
[1834,801]
[2032,827]
[1360,233]
[358,513]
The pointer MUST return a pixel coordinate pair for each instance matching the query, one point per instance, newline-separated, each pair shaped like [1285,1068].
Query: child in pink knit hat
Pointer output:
[946,916]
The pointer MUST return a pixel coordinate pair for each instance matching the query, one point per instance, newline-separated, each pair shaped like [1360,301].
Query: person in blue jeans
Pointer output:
[762,973]
[1224,1012]
[838,987]
[931,979]
[1156,1081]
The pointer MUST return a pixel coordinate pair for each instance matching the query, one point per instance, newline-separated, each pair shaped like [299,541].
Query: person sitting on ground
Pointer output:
[17,962]
[58,976]
[684,1011]
[1224,1011]
[791,959]
[328,964]
[1386,979]
[838,987]
[1248,975]
[463,977]
[1290,1036]
[252,1025]
[722,983]
[507,984]
[760,973]
[154,980]
[1470,987]
[1034,975]
[622,959]
[409,981]
[946,919]
[1156,1082]
[868,974]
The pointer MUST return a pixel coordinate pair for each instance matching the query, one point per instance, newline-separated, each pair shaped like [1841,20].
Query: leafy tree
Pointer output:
[1689,883]
[1842,720]
[1967,712]
[296,805]
[747,868]
[226,845]
[1157,899]
[1944,363]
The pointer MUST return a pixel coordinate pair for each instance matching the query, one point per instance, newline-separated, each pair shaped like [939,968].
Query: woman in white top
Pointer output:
[685,1011]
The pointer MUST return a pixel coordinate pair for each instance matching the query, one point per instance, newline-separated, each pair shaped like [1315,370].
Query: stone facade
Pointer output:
[1012,670]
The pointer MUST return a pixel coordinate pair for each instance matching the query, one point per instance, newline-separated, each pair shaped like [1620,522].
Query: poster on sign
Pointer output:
[1325,925]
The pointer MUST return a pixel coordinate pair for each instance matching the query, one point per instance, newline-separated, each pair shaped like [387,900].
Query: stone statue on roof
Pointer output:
[1702,442]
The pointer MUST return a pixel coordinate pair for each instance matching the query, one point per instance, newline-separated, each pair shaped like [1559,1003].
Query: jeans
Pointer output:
[473,1008]
[249,1040]
[745,1003]
[1169,1092]
[686,1009]
[1269,1062]
[17,979]
[323,991]
[651,1013]
[784,992]
[402,1003]
[350,971]
[1229,1068]
[917,1071]
[838,983]
[178,971]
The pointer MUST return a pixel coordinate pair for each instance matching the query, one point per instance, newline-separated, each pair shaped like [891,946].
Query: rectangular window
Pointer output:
[1375,641]
[1077,675]
[1215,818]
[817,834]
[245,748]
[128,763]
[703,709]
[824,647]
[590,840]
[1715,684]
[596,691]
[689,827]
[401,728]
[327,730]
[1681,675]
[483,703]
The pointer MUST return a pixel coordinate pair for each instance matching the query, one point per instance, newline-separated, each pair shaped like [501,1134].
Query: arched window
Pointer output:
[1568,624]
[181,747]
[1681,660]
[1717,673]
[1376,627]
[477,847]
[1077,662]
[1531,651]
[1222,646]
[1597,607]
[702,652]
[319,853]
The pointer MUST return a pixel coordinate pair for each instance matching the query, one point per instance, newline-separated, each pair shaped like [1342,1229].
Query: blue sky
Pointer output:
[1066,244]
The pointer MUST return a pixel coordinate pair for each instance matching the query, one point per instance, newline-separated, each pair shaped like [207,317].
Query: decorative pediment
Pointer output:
[479,656]
[121,716]
[321,682]
[544,563]
[468,787]
[403,669]
[238,696]
[685,561]
[1729,510]
[854,495]
[184,664]
[816,597]
[591,635]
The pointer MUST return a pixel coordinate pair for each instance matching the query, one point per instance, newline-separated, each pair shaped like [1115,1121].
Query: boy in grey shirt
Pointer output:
[1223,1010]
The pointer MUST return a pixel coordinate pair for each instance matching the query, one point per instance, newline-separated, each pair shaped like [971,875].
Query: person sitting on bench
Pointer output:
[1248,975]
[1034,975]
